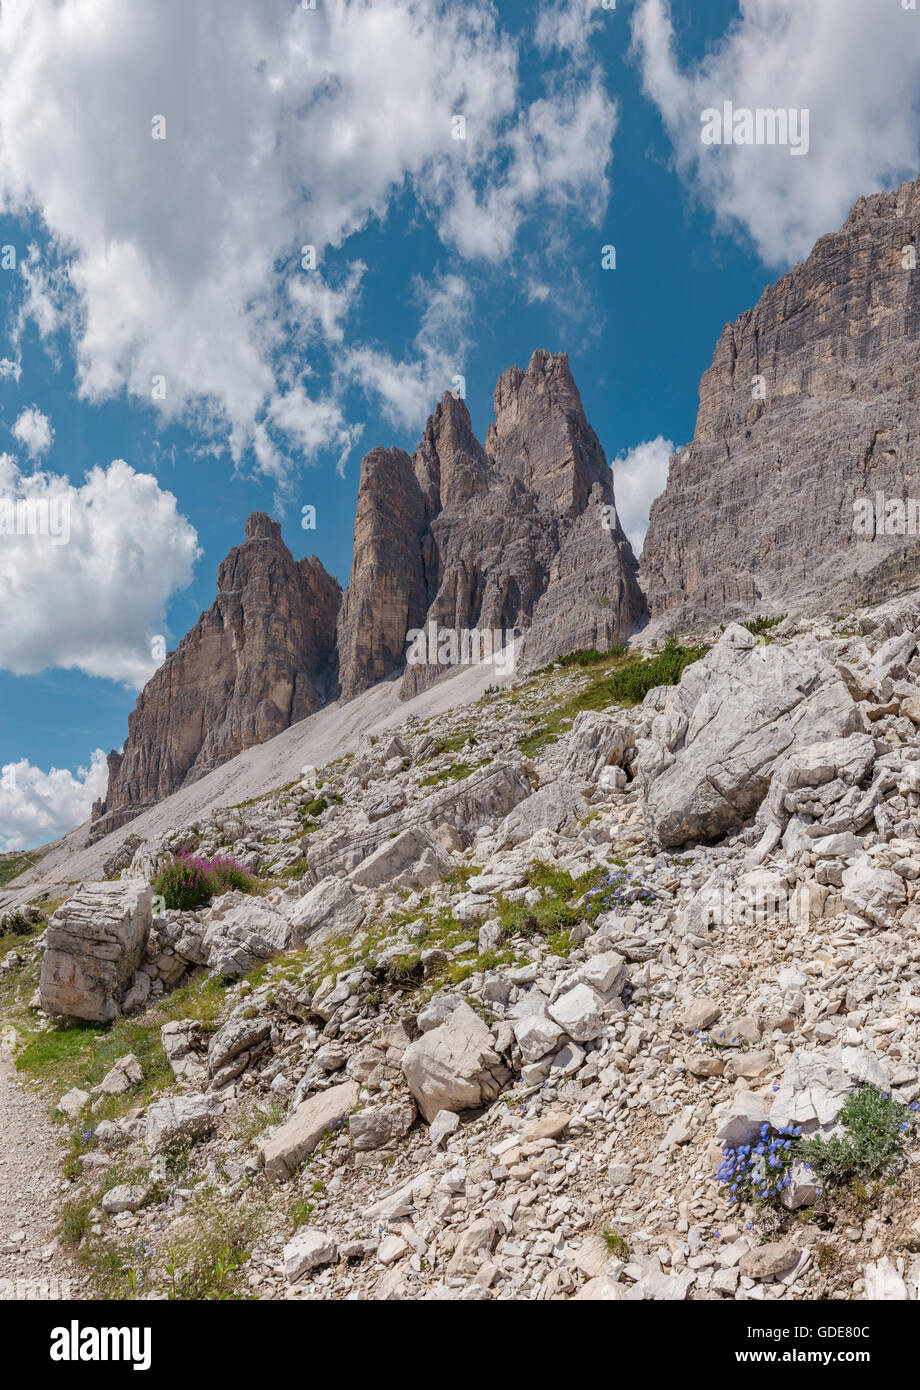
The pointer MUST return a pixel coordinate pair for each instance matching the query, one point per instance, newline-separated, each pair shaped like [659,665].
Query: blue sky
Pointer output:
[138,258]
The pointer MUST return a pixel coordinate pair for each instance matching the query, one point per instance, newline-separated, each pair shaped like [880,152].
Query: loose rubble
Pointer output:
[494,1017]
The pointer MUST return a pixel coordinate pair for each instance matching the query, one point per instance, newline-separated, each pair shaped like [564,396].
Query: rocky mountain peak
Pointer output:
[540,433]
[811,405]
[450,463]
[260,659]
[510,535]
[260,526]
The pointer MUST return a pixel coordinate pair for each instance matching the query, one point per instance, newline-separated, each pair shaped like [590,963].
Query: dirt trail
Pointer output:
[31,1263]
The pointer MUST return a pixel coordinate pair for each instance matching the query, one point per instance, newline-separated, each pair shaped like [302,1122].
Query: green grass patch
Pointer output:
[79,1054]
[12,865]
[627,683]
[451,743]
[455,773]
[586,656]
[564,904]
[616,1243]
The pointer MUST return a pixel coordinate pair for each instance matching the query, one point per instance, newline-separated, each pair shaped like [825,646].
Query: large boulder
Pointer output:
[819,780]
[483,798]
[454,1066]
[242,933]
[287,1146]
[183,1042]
[331,906]
[553,807]
[815,1085]
[371,1129]
[309,1248]
[595,741]
[95,943]
[413,858]
[707,764]
[181,1117]
[874,893]
[232,1047]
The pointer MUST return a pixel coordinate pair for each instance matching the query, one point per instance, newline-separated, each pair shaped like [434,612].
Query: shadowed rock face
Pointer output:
[510,535]
[260,659]
[758,510]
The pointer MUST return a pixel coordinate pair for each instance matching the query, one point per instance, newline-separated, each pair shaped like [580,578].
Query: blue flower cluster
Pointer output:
[759,1171]
[618,890]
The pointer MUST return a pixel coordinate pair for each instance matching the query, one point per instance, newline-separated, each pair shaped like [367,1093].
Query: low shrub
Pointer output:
[18,925]
[187,882]
[873,1133]
[589,656]
[876,1130]
[759,625]
[631,684]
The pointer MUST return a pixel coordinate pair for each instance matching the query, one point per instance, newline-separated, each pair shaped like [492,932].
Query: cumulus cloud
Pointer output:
[556,155]
[570,24]
[854,65]
[34,431]
[405,389]
[86,572]
[176,264]
[37,806]
[639,476]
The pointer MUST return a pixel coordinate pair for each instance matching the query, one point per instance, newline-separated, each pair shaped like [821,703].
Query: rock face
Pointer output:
[455,1066]
[812,401]
[509,535]
[259,660]
[707,765]
[95,944]
[289,1144]
[231,936]
[520,535]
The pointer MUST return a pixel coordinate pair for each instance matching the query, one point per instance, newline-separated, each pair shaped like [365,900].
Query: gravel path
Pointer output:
[31,1263]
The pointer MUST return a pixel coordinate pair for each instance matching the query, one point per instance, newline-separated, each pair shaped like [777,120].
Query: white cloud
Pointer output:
[407,389]
[557,155]
[639,476]
[91,591]
[34,431]
[853,64]
[323,309]
[181,258]
[569,25]
[37,806]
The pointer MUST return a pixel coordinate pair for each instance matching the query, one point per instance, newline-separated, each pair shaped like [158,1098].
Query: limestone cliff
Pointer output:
[518,534]
[811,403]
[521,533]
[261,658]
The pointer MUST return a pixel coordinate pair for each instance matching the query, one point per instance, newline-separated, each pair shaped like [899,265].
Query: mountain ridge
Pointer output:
[509,536]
